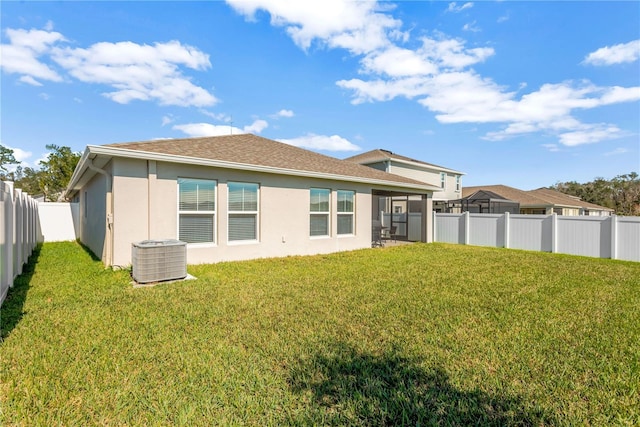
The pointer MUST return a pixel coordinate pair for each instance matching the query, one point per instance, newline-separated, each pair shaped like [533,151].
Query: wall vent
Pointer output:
[159,260]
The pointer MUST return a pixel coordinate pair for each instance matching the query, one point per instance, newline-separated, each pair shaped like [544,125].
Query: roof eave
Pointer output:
[147,155]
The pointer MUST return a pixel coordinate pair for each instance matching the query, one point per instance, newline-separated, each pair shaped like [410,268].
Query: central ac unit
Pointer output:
[159,260]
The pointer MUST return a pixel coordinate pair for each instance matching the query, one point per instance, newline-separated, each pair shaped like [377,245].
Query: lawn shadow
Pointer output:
[345,387]
[89,252]
[12,307]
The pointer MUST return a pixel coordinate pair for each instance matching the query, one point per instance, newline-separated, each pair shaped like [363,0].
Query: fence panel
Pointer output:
[628,238]
[59,221]
[584,235]
[486,230]
[527,232]
[18,233]
[603,237]
[449,228]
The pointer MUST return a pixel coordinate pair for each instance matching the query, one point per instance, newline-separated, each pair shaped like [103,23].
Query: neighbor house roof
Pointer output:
[245,152]
[523,197]
[535,198]
[560,198]
[380,155]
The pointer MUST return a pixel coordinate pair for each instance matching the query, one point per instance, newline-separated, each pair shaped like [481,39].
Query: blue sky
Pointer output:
[524,94]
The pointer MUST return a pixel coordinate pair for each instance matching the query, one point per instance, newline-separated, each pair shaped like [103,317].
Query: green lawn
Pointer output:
[419,334]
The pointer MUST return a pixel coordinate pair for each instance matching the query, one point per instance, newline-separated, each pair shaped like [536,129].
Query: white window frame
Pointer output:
[346,213]
[443,180]
[458,180]
[212,213]
[256,213]
[326,214]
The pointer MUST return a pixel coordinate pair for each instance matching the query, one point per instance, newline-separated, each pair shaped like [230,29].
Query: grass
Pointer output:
[413,335]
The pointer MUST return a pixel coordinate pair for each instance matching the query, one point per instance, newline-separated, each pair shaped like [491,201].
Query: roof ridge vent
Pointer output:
[386,151]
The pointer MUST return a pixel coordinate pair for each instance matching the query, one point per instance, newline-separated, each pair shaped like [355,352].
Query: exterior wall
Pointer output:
[430,176]
[93,215]
[146,207]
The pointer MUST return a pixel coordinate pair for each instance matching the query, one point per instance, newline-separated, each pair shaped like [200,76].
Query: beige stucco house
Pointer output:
[230,197]
[448,181]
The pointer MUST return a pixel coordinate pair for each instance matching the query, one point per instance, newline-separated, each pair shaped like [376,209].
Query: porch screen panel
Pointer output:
[196,210]
[319,212]
[243,211]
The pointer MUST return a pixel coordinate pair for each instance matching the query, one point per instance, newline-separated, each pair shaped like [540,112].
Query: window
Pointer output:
[346,200]
[457,182]
[443,180]
[243,211]
[86,208]
[196,210]
[319,212]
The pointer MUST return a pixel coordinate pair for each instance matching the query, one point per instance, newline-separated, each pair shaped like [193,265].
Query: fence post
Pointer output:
[435,233]
[614,236]
[467,223]
[506,229]
[554,233]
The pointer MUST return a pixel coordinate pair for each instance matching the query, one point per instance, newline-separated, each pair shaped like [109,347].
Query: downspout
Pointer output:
[108,256]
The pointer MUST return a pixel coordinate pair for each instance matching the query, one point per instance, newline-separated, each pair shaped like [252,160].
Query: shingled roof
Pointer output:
[560,198]
[251,152]
[523,197]
[380,155]
[535,198]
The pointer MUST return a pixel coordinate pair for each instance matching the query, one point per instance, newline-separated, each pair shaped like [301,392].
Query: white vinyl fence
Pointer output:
[615,237]
[19,233]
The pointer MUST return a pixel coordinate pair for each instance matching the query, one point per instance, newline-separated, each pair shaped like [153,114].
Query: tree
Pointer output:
[56,171]
[6,158]
[622,193]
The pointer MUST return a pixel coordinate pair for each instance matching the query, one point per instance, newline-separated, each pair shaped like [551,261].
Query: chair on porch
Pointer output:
[376,234]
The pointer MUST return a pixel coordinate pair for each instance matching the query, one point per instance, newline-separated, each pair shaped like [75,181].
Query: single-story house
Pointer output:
[232,197]
[448,181]
[542,201]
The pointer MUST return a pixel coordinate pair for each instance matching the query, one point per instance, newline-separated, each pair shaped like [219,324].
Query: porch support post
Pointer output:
[427,218]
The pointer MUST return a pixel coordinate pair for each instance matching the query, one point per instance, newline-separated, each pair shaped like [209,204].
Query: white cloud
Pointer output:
[221,117]
[44,96]
[168,119]
[322,142]
[502,19]
[139,72]
[357,26]
[590,134]
[207,129]
[256,127]
[453,7]
[285,113]
[616,152]
[438,74]
[616,54]
[551,147]
[21,55]
[30,80]
[134,71]
[471,26]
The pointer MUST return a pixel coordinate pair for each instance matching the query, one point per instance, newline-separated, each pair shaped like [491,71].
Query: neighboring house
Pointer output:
[541,201]
[230,197]
[570,204]
[448,181]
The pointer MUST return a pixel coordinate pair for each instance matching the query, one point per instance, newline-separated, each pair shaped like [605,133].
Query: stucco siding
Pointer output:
[93,214]
[146,207]
[430,176]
